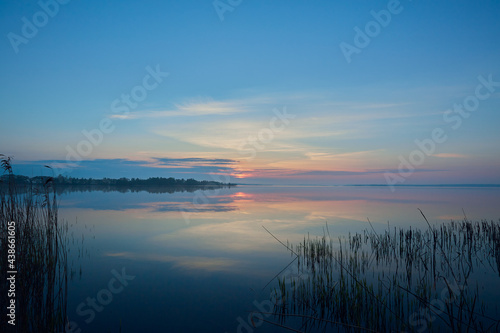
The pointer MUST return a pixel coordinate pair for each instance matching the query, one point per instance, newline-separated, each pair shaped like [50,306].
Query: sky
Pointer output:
[256,92]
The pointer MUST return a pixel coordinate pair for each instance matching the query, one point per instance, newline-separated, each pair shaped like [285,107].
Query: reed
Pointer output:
[41,256]
[400,280]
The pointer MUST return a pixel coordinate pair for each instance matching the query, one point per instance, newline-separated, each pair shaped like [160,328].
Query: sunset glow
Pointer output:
[301,112]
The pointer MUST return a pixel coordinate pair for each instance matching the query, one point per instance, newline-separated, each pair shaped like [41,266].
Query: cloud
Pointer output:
[194,160]
[348,173]
[334,173]
[318,120]
[195,167]
[448,155]
[317,156]
[190,109]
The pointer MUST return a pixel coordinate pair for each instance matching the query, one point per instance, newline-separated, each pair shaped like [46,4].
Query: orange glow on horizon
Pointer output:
[239,175]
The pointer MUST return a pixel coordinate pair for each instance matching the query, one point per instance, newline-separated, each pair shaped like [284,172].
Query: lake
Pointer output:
[202,261]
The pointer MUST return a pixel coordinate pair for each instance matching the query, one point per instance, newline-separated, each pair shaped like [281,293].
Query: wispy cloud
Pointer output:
[190,109]
[449,155]
[194,160]
[319,156]
[274,173]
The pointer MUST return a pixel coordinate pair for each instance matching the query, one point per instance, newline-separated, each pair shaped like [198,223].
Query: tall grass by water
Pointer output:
[40,257]
[442,278]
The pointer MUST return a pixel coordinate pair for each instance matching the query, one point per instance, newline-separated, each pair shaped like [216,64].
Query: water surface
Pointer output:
[200,261]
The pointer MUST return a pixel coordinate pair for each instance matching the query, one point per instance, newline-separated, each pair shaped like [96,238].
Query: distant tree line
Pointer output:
[121,182]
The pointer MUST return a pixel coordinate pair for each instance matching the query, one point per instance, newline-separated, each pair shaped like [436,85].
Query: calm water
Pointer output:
[200,262]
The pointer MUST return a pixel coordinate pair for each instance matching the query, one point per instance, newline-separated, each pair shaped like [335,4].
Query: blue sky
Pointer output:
[217,112]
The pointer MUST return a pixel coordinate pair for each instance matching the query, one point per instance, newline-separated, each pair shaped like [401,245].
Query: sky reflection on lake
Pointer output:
[200,267]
